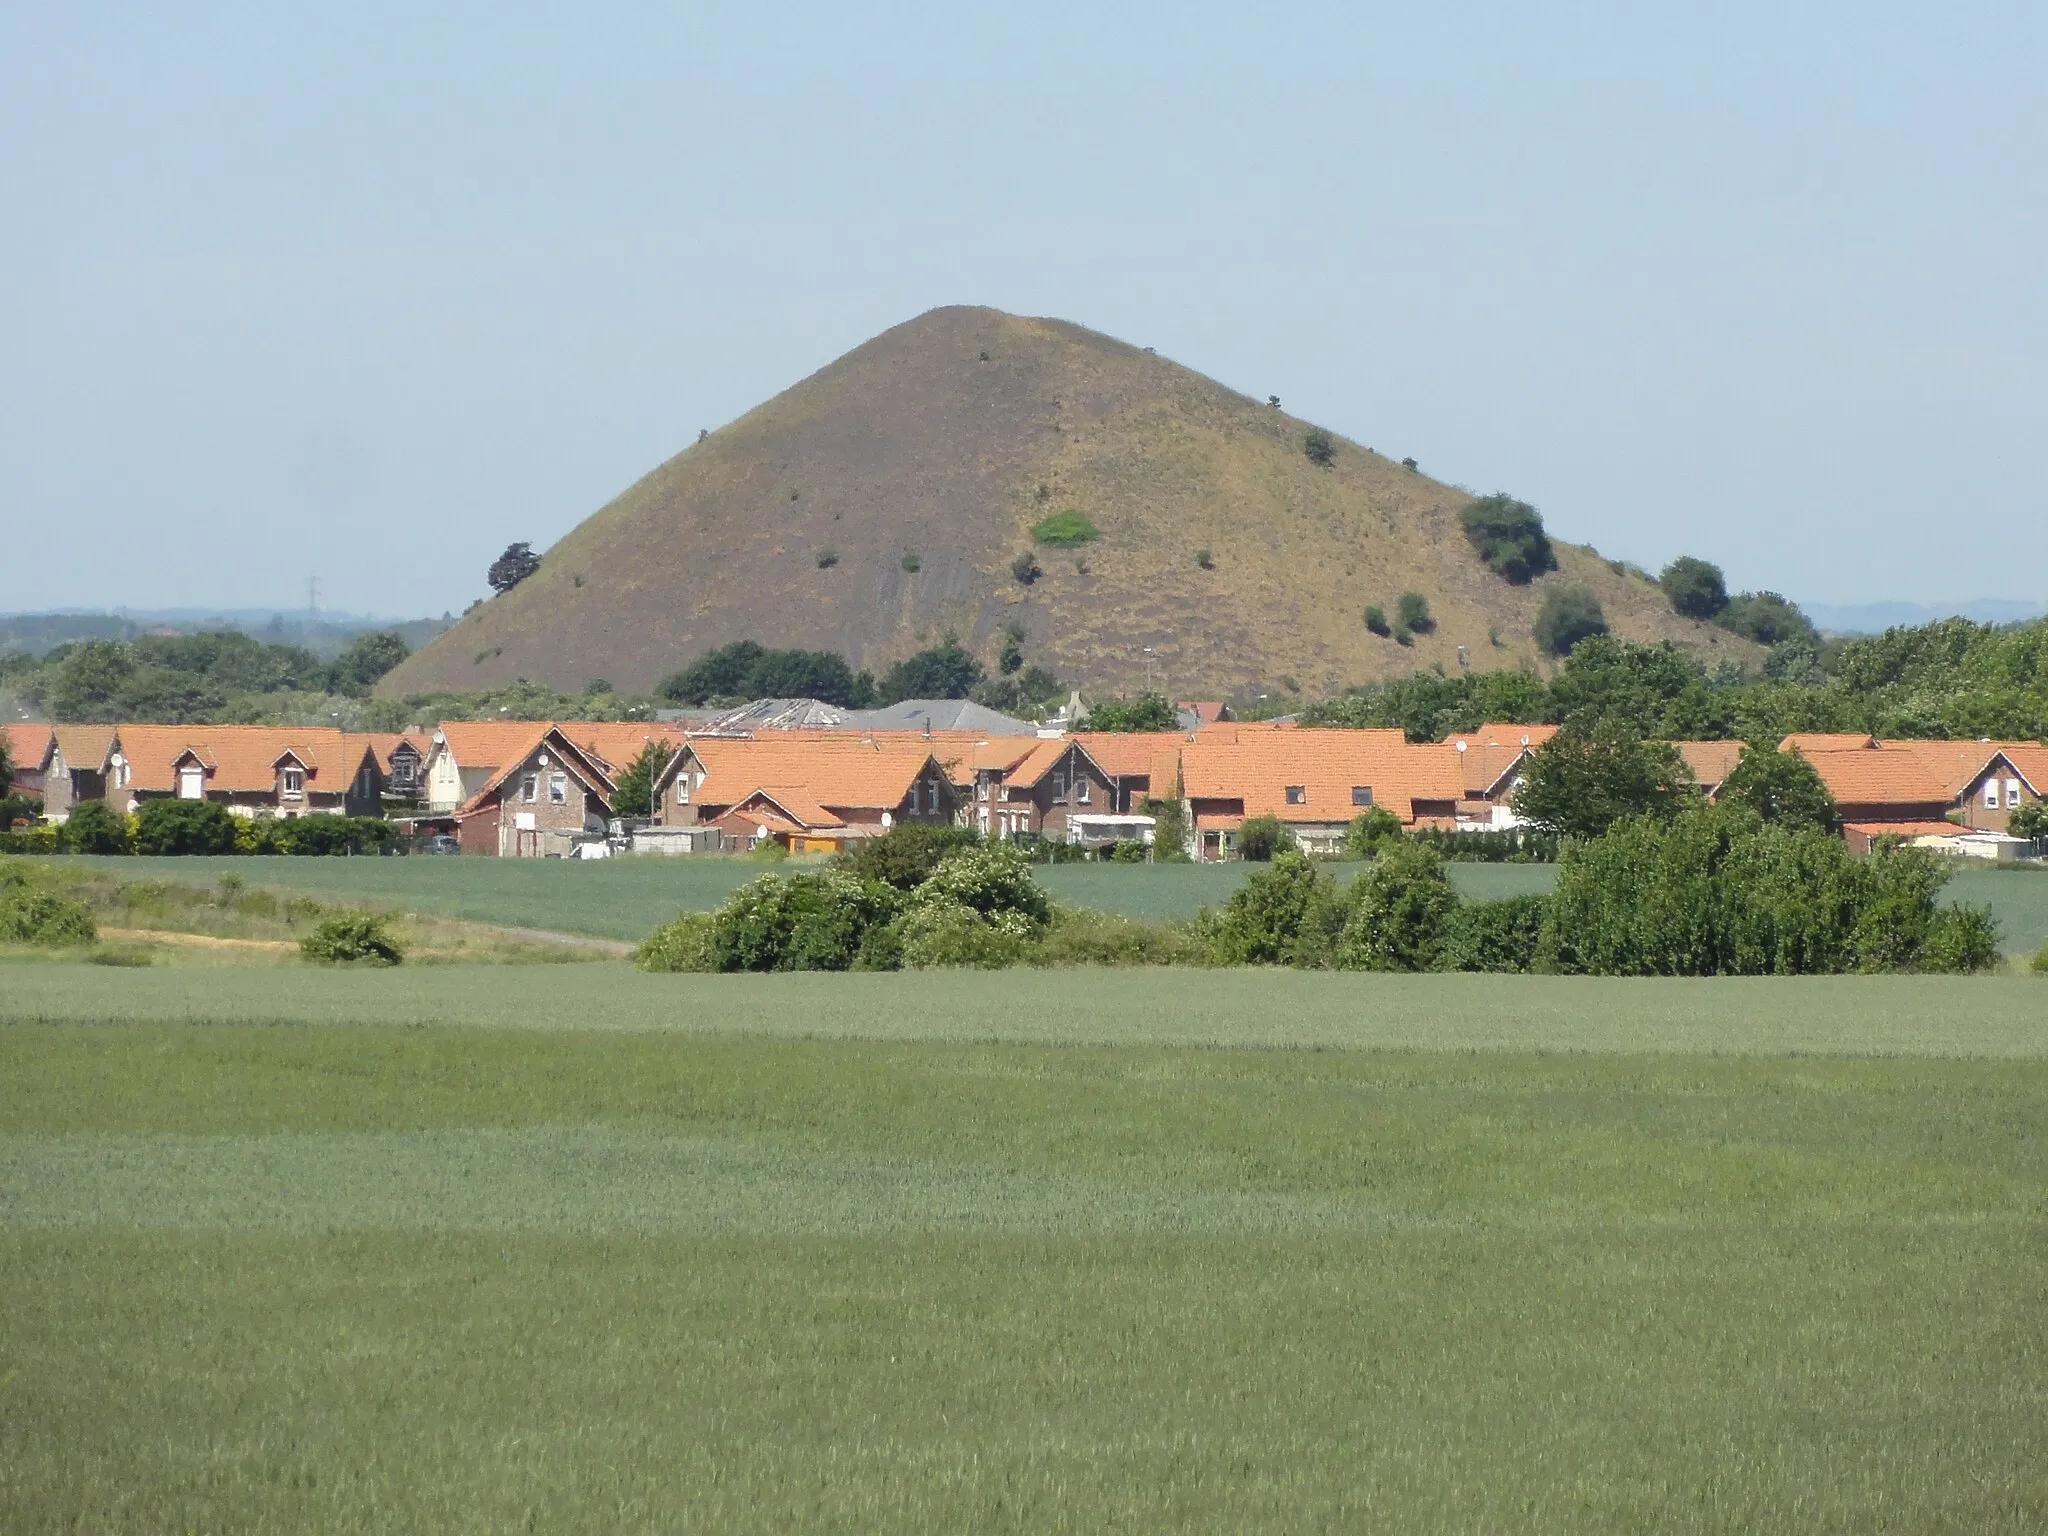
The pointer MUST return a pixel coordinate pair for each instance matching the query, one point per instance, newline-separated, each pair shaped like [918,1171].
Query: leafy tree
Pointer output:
[1412,613]
[1695,587]
[1609,679]
[29,916]
[1502,935]
[92,827]
[1590,775]
[633,794]
[1767,618]
[1320,447]
[1568,615]
[907,855]
[816,921]
[744,669]
[1371,833]
[1031,691]
[2028,819]
[1509,536]
[183,827]
[1399,909]
[1262,839]
[1271,918]
[1718,892]
[368,657]
[512,567]
[992,879]
[1011,658]
[89,680]
[1147,712]
[944,671]
[1779,787]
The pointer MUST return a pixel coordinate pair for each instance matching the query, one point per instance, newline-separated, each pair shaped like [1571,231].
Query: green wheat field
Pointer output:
[575,1248]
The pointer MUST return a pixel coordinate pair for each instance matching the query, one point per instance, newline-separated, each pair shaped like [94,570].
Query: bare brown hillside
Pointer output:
[946,439]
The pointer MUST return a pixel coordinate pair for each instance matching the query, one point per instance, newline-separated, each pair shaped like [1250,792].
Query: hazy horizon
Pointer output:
[367,296]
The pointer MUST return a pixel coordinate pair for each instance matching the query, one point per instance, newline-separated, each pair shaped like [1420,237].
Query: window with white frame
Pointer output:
[529,788]
[1081,789]
[1991,794]
[2012,794]
[558,788]
[682,789]
[191,783]
[1059,790]
[294,782]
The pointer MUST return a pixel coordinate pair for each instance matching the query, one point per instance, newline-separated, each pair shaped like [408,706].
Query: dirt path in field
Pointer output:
[198,940]
[574,940]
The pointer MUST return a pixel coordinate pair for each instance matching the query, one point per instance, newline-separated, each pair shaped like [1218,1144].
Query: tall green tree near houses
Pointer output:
[633,795]
[1591,775]
[1781,787]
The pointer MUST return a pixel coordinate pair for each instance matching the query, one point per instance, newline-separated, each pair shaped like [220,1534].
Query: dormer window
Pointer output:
[1361,794]
[191,782]
[294,783]
[1297,794]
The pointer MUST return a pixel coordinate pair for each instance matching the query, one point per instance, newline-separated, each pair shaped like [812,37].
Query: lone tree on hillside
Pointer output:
[1320,447]
[1569,615]
[1509,537]
[1412,613]
[1696,587]
[512,567]
[1768,619]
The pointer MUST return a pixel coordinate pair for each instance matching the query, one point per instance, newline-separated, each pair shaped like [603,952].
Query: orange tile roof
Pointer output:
[801,809]
[1921,827]
[618,742]
[1866,777]
[1207,711]
[831,770]
[1710,761]
[1492,751]
[489,743]
[1811,742]
[2031,759]
[1132,753]
[28,746]
[84,746]
[1959,764]
[240,759]
[1258,767]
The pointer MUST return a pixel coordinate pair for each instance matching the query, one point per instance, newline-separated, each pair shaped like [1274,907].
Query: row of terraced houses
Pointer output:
[546,789]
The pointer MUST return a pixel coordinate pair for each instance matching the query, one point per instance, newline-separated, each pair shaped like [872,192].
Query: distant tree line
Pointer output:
[212,676]
[1950,679]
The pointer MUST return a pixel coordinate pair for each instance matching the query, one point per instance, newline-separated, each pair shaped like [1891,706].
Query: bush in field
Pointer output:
[1263,838]
[1568,615]
[93,827]
[1279,916]
[934,935]
[992,879]
[1493,936]
[1371,833]
[1376,620]
[815,921]
[1509,536]
[349,937]
[681,945]
[1066,530]
[43,917]
[183,827]
[1320,447]
[907,854]
[1720,892]
[333,836]
[1396,912]
[1080,936]
[2039,964]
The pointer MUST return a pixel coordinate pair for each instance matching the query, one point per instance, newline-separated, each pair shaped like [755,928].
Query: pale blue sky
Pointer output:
[374,292]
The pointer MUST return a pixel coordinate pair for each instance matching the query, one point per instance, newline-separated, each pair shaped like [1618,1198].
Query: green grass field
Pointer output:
[1020,1253]
[627,898]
